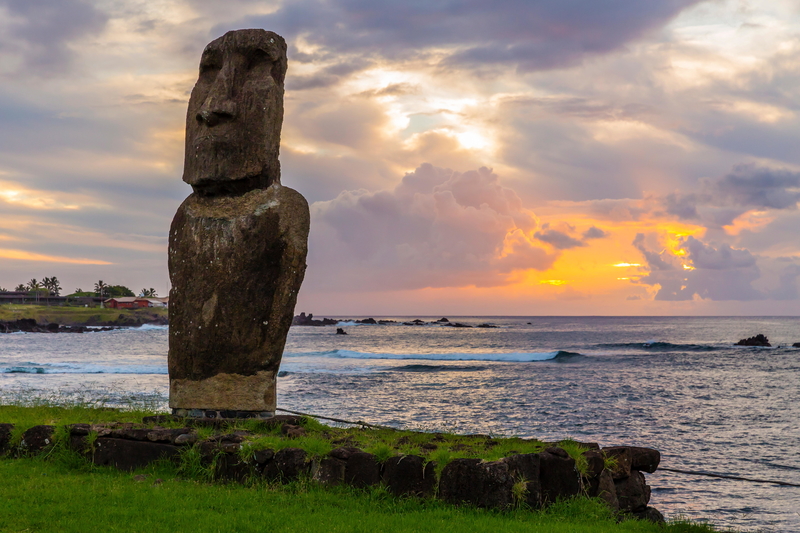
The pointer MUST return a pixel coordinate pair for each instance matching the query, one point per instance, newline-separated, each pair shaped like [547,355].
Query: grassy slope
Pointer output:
[80,316]
[64,492]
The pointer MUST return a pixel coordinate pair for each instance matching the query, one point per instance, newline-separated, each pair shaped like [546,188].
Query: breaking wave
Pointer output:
[77,368]
[514,357]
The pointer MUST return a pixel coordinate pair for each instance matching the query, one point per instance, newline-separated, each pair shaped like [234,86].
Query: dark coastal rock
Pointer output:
[340,331]
[328,471]
[644,459]
[485,326]
[37,439]
[238,243]
[408,475]
[526,468]
[632,492]
[370,321]
[796,345]
[758,340]
[308,320]
[558,476]
[458,325]
[5,437]
[603,487]
[477,483]
[287,464]
[129,455]
[443,319]
[650,513]
[415,322]
[623,457]
[362,470]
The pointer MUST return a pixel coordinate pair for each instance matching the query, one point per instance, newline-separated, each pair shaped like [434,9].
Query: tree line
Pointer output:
[52,287]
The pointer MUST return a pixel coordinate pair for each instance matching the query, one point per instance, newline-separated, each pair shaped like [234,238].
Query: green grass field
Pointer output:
[63,491]
[81,316]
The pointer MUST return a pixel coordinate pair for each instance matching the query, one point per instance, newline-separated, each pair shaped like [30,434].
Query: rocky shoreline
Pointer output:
[308,320]
[29,325]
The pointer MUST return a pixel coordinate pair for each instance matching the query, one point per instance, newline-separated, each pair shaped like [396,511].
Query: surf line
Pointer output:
[723,476]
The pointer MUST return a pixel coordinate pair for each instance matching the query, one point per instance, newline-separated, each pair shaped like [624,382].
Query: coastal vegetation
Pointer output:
[62,488]
[83,316]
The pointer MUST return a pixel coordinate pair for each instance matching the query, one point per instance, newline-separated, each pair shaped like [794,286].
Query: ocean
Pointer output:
[677,384]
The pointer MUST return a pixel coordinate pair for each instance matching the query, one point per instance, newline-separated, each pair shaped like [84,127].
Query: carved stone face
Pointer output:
[233,125]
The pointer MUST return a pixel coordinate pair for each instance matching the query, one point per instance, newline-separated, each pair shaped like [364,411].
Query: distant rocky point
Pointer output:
[758,340]
[308,320]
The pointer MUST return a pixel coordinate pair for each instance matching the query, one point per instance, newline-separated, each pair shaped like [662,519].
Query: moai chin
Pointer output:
[238,243]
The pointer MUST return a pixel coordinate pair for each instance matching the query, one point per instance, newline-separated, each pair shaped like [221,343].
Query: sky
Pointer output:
[513,157]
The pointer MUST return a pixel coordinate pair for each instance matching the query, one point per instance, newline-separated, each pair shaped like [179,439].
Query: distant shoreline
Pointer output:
[78,317]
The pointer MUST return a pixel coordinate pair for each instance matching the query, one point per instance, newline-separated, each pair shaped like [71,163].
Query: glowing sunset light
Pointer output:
[622,265]
[29,256]
[556,282]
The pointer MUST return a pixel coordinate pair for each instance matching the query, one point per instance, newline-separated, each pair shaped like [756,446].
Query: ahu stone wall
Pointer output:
[535,479]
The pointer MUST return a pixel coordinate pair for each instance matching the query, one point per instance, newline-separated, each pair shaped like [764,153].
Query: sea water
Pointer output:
[675,384]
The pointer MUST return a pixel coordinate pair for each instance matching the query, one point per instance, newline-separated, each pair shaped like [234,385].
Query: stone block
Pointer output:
[328,471]
[623,456]
[37,439]
[344,452]
[644,459]
[5,437]
[287,464]
[409,475]
[527,468]
[633,493]
[558,476]
[125,454]
[477,483]
[603,487]
[362,470]
[650,513]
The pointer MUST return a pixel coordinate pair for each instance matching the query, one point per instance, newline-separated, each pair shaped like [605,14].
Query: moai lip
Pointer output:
[238,243]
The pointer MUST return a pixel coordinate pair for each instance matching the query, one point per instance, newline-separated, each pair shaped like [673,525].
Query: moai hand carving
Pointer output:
[238,243]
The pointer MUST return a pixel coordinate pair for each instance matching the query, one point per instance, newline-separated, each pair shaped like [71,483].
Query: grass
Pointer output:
[59,494]
[81,316]
[62,490]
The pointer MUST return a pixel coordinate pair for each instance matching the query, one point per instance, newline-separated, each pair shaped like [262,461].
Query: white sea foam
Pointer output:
[79,368]
[517,357]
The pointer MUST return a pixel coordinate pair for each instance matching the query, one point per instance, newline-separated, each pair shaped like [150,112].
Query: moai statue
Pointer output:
[238,243]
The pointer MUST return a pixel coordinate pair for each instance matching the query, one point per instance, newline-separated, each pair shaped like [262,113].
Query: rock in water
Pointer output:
[238,243]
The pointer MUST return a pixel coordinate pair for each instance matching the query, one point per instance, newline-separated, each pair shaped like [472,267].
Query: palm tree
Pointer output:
[149,293]
[100,288]
[34,285]
[20,288]
[55,286]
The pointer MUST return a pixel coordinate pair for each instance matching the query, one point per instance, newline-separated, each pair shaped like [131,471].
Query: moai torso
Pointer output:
[238,243]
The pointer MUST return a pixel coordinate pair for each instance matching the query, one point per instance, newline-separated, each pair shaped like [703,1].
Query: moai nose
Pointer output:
[219,105]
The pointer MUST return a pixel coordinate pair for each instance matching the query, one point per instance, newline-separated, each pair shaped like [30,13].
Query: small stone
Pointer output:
[140,477]
[186,439]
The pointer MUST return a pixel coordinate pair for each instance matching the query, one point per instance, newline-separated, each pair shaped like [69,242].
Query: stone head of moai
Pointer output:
[238,243]
[233,125]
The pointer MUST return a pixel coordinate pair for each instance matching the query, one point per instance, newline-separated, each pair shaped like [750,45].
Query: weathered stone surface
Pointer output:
[238,244]
[79,429]
[230,467]
[288,464]
[362,470]
[292,431]
[328,471]
[408,475]
[644,459]
[595,463]
[166,435]
[185,439]
[130,454]
[623,457]
[526,468]
[633,493]
[477,483]
[37,439]
[262,457]
[5,437]
[344,452]
[558,475]
[603,487]
[650,513]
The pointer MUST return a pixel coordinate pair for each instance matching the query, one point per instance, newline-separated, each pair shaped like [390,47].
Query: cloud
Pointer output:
[595,233]
[532,36]
[437,228]
[705,271]
[753,186]
[40,31]
[558,239]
